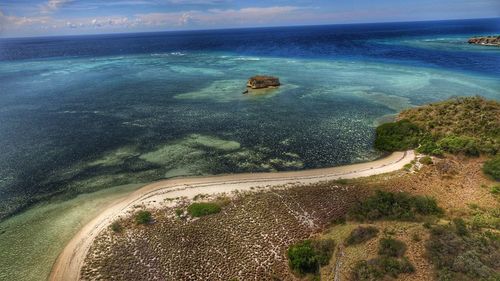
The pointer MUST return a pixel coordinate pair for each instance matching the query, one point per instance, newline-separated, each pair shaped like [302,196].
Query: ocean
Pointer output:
[81,114]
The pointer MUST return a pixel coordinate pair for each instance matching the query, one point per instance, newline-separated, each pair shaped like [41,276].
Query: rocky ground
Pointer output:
[485,40]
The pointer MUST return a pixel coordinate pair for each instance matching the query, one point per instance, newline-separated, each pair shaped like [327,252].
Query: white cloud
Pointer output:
[219,17]
[53,5]
[213,18]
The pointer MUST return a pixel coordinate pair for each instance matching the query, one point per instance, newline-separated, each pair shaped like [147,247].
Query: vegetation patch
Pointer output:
[203,209]
[495,190]
[116,227]
[361,234]
[468,126]
[462,253]
[426,160]
[307,257]
[391,247]
[143,217]
[394,206]
[389,262]
[400,135]
[492,167]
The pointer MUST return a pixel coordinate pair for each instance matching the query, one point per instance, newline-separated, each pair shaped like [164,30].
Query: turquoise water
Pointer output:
[86,114]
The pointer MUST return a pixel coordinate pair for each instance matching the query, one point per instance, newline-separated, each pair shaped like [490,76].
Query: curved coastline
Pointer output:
[70,260]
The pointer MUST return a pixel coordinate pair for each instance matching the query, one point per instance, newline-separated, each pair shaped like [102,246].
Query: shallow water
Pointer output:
[88,113]
[31,241]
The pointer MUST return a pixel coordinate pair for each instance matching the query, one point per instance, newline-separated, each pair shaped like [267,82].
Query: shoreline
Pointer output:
[70,260]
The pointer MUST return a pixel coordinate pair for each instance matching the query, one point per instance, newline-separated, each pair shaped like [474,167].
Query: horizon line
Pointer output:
[239,28]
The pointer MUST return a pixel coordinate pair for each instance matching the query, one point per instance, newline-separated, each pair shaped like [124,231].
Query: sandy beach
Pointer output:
[68,265]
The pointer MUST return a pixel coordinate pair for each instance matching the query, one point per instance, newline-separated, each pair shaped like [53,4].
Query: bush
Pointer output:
[400,135]
[143,217]
[473,256]
[408,166]
[426,160]
[394,206]
[309,255]
[495,190]
[377,268]
[116,227]
[302,258]
[366,271]
[390,247]
[459,144]
[179,212]
[203,209]
[492,167]
[394,267]
[361,234]
[324,249]
[460,227]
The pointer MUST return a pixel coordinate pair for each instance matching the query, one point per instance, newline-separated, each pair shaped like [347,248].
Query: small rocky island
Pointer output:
[262,82]
[485,40]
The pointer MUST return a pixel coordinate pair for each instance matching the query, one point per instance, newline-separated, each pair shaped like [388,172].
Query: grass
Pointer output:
[394,206]
[307,257]
[143,217]
[203,209]
[361,234]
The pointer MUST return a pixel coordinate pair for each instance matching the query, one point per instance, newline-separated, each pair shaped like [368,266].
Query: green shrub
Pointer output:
[460,227]
[302,258]
[143,217]
[116,227]
[394,206]
[408,166]
[361,234]
[495,190]
[203,209]
[324,249]
[366,271]
[391,247]
[400,135]
[492,167]
[426,160]
[394,267]
[459,144]
[377,268]
[179,212]
[309,255]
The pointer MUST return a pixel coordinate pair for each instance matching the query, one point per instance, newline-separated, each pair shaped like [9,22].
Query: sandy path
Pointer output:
[68,264]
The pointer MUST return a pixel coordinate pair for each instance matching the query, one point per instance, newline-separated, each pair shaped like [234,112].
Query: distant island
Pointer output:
[485,40]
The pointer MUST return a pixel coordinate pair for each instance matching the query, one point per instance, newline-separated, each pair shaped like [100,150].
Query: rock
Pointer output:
[261,82]
[485,40]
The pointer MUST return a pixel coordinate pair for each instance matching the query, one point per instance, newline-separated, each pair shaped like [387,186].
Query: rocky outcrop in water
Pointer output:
[485,40]
[261,82]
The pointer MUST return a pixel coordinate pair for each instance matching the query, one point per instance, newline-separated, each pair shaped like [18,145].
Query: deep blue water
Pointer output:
[350,41]
[82,113]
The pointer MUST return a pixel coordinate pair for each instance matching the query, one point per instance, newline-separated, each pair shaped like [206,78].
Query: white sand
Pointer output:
[68,265]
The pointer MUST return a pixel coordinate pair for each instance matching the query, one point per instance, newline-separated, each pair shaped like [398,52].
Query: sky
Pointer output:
[20,18]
